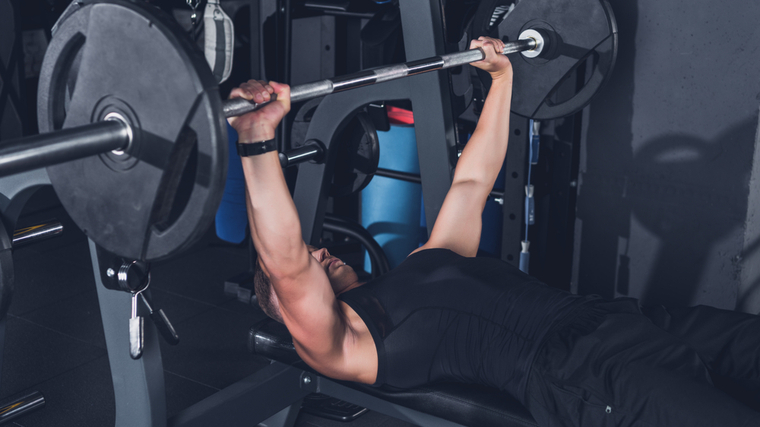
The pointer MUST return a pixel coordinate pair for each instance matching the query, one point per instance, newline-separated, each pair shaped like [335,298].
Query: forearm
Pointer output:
[275,225]
[484,153]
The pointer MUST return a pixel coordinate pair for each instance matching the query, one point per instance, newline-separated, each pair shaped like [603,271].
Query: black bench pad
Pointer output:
[466,404]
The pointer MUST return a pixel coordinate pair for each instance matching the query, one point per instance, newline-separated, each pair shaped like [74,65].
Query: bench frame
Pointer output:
[271,397]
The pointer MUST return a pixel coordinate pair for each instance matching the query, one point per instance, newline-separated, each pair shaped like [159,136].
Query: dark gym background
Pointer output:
[663,164]
[668,191]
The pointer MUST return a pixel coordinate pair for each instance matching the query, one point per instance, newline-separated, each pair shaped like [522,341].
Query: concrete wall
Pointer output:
[668,196]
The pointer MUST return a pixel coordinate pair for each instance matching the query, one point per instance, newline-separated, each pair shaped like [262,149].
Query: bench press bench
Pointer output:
[439,404]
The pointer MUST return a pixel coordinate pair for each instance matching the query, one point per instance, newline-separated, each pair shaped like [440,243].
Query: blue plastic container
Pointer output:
[231,217]
[390,207]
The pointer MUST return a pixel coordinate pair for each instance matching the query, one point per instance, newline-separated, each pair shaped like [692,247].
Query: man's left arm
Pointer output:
[459,221]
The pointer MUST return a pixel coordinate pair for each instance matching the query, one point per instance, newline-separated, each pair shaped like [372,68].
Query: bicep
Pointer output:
[459,221]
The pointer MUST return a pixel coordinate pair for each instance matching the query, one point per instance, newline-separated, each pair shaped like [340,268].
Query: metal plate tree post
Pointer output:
[161,194]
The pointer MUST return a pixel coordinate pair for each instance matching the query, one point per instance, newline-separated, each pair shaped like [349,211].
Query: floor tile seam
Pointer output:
[390,421]
[19,254]
[192,380]
[34,386]
[67,249]
[175,294]
[73,295]
[58,332]
[193,316]
[254,310]
[216,307]
[209,306]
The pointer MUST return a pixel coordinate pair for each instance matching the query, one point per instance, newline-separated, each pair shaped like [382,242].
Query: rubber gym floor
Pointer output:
[55,343]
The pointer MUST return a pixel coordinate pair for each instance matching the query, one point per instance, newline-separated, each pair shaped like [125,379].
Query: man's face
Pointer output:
[341,275]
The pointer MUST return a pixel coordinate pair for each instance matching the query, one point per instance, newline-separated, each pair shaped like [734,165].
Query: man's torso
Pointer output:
[442,317]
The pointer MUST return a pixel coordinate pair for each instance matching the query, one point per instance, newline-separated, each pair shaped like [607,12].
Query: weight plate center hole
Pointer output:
[116,117]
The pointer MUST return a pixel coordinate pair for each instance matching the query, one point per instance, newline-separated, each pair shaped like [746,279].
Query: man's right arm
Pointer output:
[306,299]
[275,226]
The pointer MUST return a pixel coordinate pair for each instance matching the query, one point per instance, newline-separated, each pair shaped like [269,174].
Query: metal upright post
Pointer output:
[515,179]
[257,63]
[138,384]
[422,24]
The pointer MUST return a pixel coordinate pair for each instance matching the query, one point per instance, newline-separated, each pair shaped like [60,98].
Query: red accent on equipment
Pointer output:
[400,116]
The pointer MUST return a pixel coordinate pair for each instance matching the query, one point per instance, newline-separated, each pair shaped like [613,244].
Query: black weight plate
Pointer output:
[580,33]
[357,157]
[162,194]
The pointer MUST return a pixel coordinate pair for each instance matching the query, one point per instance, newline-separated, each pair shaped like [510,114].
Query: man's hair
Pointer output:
[262,286]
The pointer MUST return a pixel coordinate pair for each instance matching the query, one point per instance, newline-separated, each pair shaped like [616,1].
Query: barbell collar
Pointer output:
[240,106]
[47,149]
[539,42]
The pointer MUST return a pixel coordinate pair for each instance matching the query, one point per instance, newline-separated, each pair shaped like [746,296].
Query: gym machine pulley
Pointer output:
[133,131]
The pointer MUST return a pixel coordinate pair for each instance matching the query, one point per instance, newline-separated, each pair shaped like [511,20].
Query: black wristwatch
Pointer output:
[256,148]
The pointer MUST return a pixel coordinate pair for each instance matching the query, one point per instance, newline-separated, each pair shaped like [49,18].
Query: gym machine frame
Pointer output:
[138,385]
[272,396]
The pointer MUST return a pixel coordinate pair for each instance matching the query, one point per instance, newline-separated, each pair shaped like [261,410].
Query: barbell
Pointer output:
[115,132]
[132,126]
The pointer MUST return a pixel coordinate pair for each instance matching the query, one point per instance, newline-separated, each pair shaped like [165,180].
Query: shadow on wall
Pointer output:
[691,194]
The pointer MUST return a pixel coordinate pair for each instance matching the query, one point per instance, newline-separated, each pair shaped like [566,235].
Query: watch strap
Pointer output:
[256,148]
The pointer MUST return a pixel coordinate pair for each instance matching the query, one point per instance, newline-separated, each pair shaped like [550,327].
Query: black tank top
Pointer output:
[442,317]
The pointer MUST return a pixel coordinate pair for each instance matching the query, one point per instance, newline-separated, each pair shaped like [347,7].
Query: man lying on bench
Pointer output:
[444,315]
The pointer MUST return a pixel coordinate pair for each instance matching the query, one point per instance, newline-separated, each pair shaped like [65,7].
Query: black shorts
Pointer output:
[612,364]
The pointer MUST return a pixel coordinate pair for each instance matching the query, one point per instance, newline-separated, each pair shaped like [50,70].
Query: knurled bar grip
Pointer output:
[240,106]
